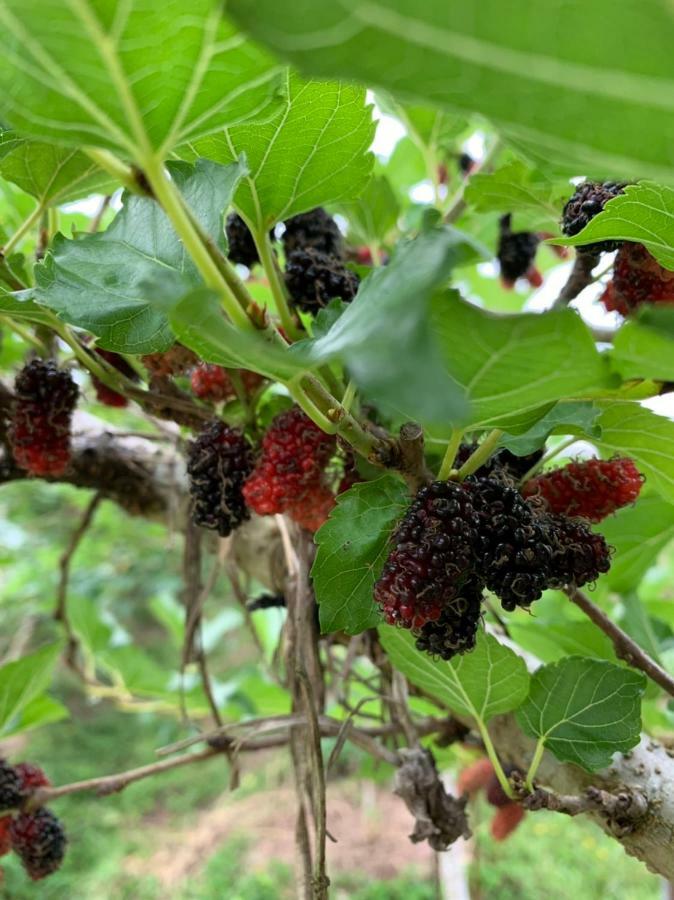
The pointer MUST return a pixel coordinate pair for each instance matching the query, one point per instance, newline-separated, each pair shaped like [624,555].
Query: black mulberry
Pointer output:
[40,841]
[314,279]
[240,244]
[10,786]
[314,229]
[455,631]
[587,201]
[516,254]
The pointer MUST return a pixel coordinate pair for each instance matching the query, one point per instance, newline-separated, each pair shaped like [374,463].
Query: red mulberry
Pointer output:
[31,777]
[638,278]
[40,841]
[174,361]
[592,489]
[505,821]
[45,399]
[104,393]
[5,837]
[313,510]
[213,383]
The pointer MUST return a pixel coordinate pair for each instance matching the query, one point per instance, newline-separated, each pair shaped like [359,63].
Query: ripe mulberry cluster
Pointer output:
[290,474]
[587,201]
[314,278]
[457,538]
[219,461]
[315,229]
[517,254]
[40,431]
[104,393]
[240,244]
[214,383]
[175,361]
[37,837]
[638,278]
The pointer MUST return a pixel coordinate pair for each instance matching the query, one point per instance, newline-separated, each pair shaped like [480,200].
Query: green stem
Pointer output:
[450,454]
[481,454]
[494,760]
[120,171]
[535,763]
[312,395]
[278,290]
[174,206]
[22,231]
[24,334]
[349,395]
[546,458]
[457,204]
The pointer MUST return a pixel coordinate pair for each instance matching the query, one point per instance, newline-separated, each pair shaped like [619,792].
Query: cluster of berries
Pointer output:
[458,538]
[290,475]
[214,383]
[37,837]
[45,399]
[480,776]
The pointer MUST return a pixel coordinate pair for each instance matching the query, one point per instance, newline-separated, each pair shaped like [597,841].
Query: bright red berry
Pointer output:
[314,509]
[31,777]
[295,453]
[475,776]
[592,489]
[104,393]
[40,841]
[40,430]
[505,821]
[638,278]
[495,794]
[212,383]
[5,838]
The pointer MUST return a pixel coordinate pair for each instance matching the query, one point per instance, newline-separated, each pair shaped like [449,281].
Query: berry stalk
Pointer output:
[481,455]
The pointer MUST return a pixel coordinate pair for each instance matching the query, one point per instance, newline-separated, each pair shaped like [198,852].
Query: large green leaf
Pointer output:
[516,188]
[633,430]
[51,174]
[588,84]
[638,534]
[352,547]
[24,680]
[315,151]
[109,283]
[20,306]
[42,710]
[644,213]
[135,77]
[512,364]
[489,680]
[373,216]
[385,339]
[584,710]
[644,346]
[566,417]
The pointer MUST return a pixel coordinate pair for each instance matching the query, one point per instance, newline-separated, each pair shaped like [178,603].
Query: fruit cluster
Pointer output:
[40,430]
[218,463]
[290,475]
[480,776]
[214,384]
[458,538]
[177,360]
[37,836]
[638,279]
[587,201]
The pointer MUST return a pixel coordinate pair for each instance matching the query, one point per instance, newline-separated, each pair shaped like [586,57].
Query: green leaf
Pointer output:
[566,417]
[584,710]
[544,79]
[644,346]
[374,215]
[638,533]
[134,77]
[42,710]
[198,322]
[24,680]
[644,214]
[384,337]
[352,547]
[489,680]
[519,189]
[633,430]
[552,641]
[108,283]
[20,306]
[315,151]
[51,174]
[511,364]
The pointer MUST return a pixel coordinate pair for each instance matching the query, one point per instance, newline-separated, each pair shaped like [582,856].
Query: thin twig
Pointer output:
[95,223]
[578,280]
[626,649]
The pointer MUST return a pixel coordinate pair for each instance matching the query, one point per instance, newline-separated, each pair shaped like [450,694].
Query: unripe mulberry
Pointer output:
[214,383]
[435,549]
[314,279]
[455,631]
[294,455]
[218,463]
[104,393]
[313,510]
[638,278]
[40,432]
[10,786]
[505,821]
[316,229]
[31,777]
[587,201]
[174,361]
[475,776]
[40,841]
[516,255]
[592,489]
[240,243]
[495,794]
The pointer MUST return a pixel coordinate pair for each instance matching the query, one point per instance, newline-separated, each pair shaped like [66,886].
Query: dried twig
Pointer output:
[625,648]
[623,811]
[412,462]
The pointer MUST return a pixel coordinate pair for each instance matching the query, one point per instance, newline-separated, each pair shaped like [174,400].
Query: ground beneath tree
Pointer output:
[370,826]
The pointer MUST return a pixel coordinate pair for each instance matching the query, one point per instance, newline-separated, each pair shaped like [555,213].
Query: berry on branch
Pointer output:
[314,279]
[587,201]
[214,383]
[31,777]
[219,461]
[592,489]
[455,631]
[10,786]
[105,394]
[313,510]
[174,361]
[579,555]
[516,255]
[638,278]
[5,837]
[505,821]
[40,841]
[315,229]
[40,429]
